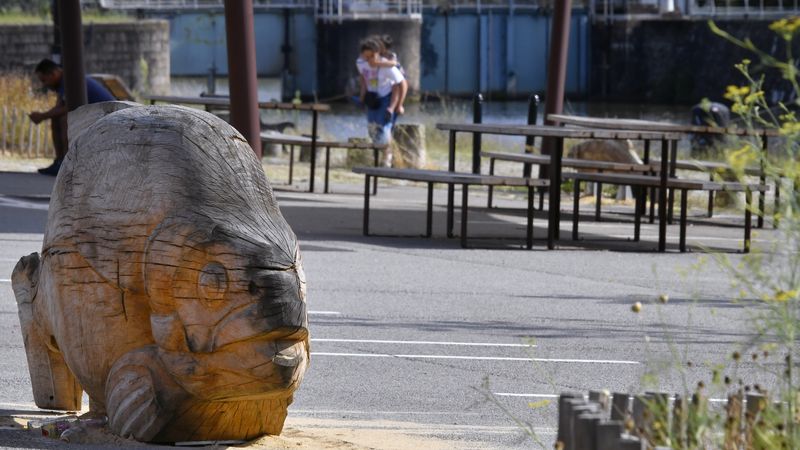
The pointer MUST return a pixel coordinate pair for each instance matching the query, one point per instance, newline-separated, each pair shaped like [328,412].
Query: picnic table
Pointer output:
[292,140]
[555,176]
[574,163]
[684,130]
[432,177]
[224,102]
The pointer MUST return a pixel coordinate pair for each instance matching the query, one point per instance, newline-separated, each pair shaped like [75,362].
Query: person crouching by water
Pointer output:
[381,91]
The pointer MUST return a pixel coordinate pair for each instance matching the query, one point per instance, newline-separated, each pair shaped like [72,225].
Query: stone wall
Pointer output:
[136,51]
[676,61]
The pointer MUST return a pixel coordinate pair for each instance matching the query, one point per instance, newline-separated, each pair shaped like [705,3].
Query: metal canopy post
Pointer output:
[554,104]
[72,50]
[242,71]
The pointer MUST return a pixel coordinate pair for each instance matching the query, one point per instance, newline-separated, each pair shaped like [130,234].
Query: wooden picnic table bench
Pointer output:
[685,131]
[559,134]
[432,177]
[606,166]
[221,101]
[644,181]
[651,125]
[224,102]
[294,140]
[587,164]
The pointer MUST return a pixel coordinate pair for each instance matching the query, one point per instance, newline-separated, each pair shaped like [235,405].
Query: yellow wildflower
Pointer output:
[782,296]
[733,92]
[786,27]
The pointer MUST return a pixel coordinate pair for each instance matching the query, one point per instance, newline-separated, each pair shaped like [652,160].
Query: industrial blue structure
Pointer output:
[465,47]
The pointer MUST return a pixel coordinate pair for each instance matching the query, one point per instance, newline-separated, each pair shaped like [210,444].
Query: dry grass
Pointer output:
[19,95]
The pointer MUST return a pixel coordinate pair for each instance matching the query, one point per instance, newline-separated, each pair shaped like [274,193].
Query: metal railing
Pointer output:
[644,9]
[742,8]
[170,5]
[339,10]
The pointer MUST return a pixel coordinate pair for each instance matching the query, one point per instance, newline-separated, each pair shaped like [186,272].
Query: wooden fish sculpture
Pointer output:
[169,287]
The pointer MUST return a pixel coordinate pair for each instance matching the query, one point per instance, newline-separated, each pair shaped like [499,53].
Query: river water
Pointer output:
[347,120]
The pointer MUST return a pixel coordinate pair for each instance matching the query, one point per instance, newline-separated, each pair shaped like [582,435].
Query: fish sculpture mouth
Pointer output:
[269,365]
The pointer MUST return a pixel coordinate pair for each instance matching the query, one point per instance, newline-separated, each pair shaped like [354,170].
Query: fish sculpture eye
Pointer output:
[212,283]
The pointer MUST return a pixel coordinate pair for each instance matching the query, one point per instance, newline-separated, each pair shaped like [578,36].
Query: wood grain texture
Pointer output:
[169,287]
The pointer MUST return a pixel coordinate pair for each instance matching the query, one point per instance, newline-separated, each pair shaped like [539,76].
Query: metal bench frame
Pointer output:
[451,179]
[645,181]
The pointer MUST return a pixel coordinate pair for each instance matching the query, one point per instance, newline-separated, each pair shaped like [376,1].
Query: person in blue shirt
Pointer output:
[51,75]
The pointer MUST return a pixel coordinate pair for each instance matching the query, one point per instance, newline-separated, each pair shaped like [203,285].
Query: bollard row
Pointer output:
[652,421]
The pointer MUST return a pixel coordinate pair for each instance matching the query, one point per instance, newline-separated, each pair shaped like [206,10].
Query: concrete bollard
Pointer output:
[409,145]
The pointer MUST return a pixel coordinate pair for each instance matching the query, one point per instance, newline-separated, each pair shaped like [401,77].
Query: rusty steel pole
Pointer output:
[242,71]
[72,53]
[557,62]
[554,104]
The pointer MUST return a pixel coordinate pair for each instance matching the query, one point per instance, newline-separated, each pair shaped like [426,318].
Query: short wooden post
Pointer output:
[620,406]
[564,415]
[639,415]
[680,415]
[601,398]
[607,434]
[733,424]
[659,422]
[756,404]
[698,408]
[586,430]
[631,443]
[578,436]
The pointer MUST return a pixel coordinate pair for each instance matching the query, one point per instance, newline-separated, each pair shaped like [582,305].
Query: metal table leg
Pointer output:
[429,217]
[464,208]
[327,166]
[748,200]
[576,197]
[529,228]
[366,205]
[683,220]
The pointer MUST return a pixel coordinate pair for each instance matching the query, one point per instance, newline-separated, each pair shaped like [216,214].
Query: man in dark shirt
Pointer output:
[51,76]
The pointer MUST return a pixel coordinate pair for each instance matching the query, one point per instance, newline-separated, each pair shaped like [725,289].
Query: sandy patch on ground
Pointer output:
[299,433]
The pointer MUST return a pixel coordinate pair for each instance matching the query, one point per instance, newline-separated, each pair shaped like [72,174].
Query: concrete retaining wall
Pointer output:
[677,61]
[136,51]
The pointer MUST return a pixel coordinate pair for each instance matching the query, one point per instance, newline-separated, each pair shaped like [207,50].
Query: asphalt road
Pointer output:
[420,331]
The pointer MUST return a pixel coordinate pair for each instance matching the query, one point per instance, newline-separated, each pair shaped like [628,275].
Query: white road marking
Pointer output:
[366,413]
[675,238]
[513,394]
[480,358]
[3,280]
[325,313]
[467,344]
[15,203]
